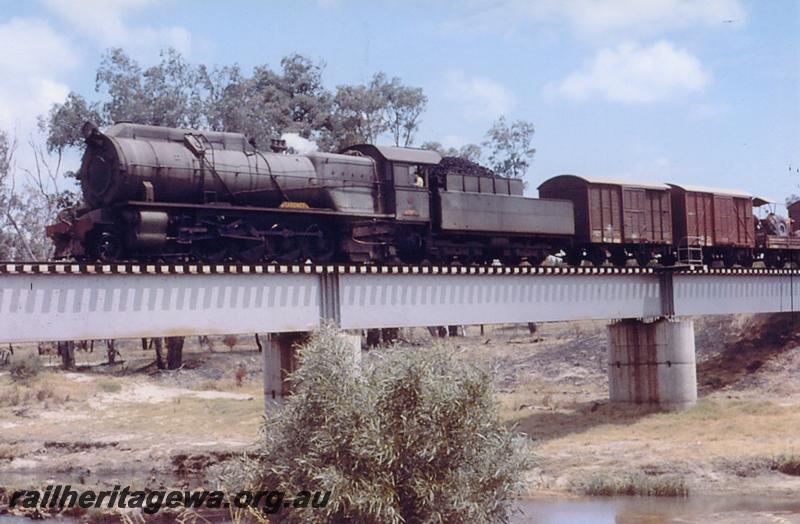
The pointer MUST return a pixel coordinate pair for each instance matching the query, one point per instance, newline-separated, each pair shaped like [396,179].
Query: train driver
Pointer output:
[419,180]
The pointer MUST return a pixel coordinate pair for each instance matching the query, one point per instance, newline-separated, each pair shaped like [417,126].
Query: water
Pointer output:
[624,510]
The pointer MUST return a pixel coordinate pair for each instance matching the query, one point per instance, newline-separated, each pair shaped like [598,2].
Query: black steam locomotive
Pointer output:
[156,193]
[163,193]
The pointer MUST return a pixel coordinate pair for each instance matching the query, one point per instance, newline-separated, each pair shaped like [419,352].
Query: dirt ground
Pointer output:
[130,424]
[740,438]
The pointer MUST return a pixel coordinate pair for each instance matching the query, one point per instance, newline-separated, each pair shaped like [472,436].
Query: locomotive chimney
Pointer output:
[89,129]
[277,145]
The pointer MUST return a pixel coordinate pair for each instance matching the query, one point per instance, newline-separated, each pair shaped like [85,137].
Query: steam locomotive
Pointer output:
[157,193]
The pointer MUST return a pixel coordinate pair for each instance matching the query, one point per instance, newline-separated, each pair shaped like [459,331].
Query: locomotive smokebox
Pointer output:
[100,163]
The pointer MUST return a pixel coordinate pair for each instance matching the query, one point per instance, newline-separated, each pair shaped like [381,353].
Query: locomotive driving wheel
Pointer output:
[319,243]
[284,244]
[249,251]
[211,251]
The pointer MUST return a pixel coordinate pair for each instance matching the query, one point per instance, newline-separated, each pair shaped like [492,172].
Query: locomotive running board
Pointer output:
[252,209]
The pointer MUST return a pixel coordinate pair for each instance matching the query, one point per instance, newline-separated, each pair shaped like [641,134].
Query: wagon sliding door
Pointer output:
[743,209]
[605,214]
[724,221]
[699,219]
[659,216]
[633,215]
[735,216]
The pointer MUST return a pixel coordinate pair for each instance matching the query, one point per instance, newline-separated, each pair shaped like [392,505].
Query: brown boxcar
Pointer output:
[712,217]
[612,211]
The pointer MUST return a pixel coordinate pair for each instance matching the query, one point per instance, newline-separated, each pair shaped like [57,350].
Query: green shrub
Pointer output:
[634,484]
[410,437]
[24,366]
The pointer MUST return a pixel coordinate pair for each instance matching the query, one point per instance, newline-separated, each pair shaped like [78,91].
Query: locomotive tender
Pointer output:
[157,193]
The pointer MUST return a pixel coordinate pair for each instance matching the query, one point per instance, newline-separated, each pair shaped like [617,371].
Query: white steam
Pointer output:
[298,144]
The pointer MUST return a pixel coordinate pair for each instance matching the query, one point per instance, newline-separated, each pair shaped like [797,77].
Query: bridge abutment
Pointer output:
[652,362]
[279,360]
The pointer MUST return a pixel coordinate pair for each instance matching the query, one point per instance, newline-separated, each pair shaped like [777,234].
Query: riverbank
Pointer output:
[740,438]
[129,424]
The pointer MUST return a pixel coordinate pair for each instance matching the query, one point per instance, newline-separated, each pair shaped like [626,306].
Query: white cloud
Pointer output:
[478,96]
[106,22]
[634,74]
[299,144]
[592,16]
[597,17]
[33,58]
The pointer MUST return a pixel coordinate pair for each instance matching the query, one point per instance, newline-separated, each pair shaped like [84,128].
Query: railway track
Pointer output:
[9,268]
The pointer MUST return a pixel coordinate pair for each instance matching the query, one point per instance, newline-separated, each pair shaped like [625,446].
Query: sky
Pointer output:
[703,92]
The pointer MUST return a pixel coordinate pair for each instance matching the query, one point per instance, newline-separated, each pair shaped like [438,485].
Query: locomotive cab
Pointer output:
[404,180]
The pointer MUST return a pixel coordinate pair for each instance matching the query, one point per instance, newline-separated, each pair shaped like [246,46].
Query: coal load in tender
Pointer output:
[454,164]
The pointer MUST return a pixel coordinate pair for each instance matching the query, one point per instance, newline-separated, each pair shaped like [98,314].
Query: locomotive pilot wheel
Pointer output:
[106,246]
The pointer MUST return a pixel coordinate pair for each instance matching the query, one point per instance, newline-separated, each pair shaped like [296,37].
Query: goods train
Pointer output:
[167,194]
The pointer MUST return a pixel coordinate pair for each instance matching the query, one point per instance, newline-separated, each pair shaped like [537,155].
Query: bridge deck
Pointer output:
[65,301]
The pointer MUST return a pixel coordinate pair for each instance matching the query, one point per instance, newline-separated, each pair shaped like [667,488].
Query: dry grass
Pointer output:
[9,451]
[109,386]
[633,484]
[722,438]
[177,418]
[25,366]
[48,386]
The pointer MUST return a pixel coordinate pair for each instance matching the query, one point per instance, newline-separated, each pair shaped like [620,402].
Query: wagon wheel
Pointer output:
[573,257]
[597,256]
[319,243]
[643,258]
[619,257]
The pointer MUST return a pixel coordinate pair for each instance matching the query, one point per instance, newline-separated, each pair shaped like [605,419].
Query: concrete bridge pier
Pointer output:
[279,360]
[652,362]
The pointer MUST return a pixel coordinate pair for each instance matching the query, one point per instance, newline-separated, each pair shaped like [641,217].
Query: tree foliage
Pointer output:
[471,152]
[362,113]
[412,437]
[263,105]
[509,146]
[28,202]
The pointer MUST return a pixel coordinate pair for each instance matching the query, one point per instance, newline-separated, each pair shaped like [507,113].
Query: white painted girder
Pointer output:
[57,302]
[74,307]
